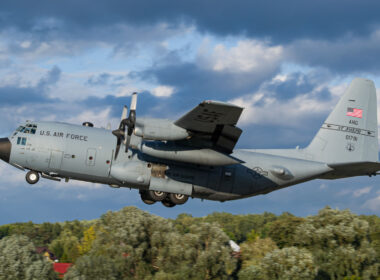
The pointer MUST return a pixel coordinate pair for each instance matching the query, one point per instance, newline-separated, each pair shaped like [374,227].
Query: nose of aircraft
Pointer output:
[5,149]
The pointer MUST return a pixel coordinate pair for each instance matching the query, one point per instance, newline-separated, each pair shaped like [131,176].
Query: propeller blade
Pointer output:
[129,122]
[127,142]
[124,113]
[134,101]
[117,147]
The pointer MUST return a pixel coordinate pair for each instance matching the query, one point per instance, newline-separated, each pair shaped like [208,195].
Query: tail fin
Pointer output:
[349,134]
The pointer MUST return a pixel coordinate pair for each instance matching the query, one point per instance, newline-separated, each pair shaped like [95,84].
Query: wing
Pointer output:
[212,124]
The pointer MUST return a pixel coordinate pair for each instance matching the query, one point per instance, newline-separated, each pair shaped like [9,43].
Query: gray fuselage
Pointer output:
[87,153]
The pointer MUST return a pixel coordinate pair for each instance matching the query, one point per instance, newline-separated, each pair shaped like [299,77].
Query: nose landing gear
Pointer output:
[167,199]
[32,177]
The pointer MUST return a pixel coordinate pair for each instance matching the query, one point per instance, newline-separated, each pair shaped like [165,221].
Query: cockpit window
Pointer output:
[21,141]
[29,129]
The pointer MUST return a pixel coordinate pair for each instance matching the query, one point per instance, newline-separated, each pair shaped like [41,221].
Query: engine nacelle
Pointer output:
[159,129]
[202,156]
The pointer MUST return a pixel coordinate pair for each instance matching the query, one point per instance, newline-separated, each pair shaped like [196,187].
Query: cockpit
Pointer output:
[28,128]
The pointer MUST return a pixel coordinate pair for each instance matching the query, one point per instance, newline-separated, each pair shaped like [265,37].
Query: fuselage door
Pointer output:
[55,160]
[91,157]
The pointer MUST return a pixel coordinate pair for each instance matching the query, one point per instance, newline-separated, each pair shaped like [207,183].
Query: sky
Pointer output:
[286,62]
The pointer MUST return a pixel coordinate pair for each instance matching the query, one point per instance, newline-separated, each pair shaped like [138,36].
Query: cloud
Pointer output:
[281,21]
[16,94]
[344,54]
[163,91]
[247,56]
[362,191]
[373,204]
[295,98]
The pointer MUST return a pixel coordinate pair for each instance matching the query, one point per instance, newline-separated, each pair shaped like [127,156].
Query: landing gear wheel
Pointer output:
[168,203]
[147,201]
[177,198]
[32,177]
[157,195]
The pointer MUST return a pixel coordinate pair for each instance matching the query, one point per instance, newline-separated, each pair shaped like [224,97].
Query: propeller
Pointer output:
[128,123]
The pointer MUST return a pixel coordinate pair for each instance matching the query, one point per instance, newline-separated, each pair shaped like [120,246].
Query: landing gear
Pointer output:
[157,195]
[32,177]
[146,198]
[147,201]
[168,203]
[167,199]
[177,198]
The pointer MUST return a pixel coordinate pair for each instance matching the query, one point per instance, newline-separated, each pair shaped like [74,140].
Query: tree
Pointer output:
[93,267]
[19,260]
[88,238]
[282,230]
[339,243]
[252,252]
[145,246]
[288,264]
[66,247]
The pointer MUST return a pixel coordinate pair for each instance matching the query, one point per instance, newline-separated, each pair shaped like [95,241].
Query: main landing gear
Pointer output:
[32,177]
[167,199]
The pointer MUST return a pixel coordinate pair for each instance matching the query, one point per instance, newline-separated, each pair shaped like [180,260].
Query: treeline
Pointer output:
[134,244]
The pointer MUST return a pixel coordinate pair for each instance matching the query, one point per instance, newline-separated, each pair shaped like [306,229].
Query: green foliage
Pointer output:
[66,247]
[252,252]
[4,231]
[237,227]
[93,267]
[19,260]
[134,244]
[282,230]
[252,236]
[144,246]
[288,264]
[339,243]
[374,231]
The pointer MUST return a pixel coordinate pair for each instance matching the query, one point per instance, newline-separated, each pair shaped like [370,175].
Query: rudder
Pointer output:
[349,134]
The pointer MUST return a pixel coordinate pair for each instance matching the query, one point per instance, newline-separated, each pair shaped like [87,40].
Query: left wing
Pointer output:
[212,124]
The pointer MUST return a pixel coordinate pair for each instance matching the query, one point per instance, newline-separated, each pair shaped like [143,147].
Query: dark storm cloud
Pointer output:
[344,55]
[279,20]
[194,82]
[16,95]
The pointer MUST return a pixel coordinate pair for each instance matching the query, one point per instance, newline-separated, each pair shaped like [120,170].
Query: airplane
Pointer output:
[194,156]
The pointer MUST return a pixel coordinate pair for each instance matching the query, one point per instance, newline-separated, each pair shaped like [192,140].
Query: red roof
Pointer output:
[61,268]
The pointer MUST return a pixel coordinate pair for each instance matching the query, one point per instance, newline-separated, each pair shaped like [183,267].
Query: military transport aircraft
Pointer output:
[169,161]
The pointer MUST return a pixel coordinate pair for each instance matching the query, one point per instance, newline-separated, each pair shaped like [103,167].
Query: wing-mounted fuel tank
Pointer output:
[174,152]
[159,129]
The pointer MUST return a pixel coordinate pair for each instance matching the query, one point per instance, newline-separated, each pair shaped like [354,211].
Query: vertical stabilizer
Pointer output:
[349,134]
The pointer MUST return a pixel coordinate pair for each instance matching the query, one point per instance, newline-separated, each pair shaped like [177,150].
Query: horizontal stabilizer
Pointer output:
[350,169]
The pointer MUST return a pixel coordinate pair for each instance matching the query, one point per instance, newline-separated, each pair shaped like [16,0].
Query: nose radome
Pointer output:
[5,149]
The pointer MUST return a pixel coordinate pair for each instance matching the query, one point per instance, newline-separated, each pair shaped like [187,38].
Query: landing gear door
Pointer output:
[55,160]
[91,157]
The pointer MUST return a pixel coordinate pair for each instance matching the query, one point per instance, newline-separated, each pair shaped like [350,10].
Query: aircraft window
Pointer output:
[29,129]
[19,128]
[23,141]
[18,140]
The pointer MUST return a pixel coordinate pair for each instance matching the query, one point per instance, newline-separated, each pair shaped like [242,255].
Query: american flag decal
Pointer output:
[353,112]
